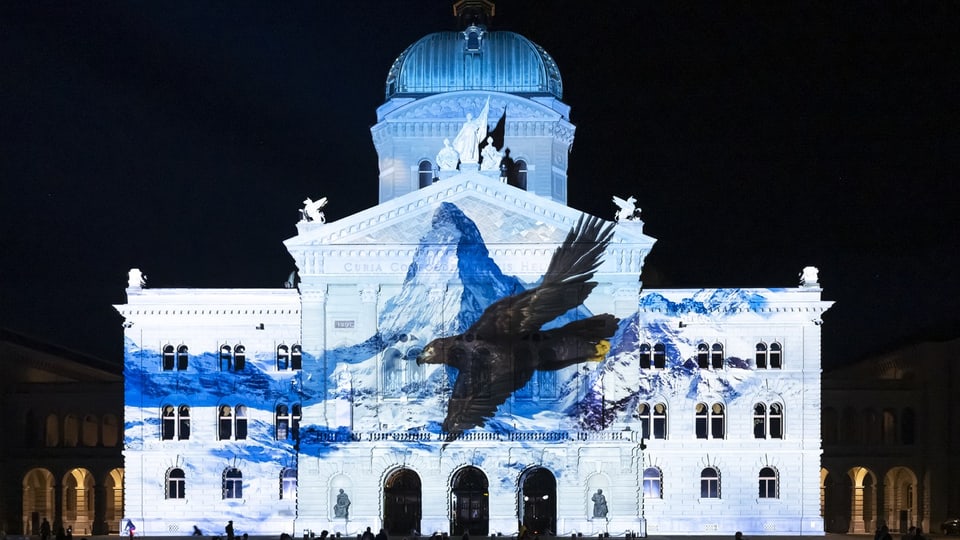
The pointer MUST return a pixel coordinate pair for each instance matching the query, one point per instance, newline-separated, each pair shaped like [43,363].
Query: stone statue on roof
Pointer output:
[467,141]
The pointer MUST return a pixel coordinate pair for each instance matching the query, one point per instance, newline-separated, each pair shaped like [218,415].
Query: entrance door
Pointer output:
[538,502]
[470,503]
[401,503]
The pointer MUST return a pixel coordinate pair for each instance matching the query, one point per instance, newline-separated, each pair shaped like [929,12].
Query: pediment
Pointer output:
[503,214]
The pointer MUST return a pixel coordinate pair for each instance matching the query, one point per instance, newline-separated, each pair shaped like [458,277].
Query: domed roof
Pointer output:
[474,59]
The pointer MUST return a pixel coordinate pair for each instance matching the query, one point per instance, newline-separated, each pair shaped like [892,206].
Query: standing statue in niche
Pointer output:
[342,508]
[599,504]
[491,158]
[467,142]
[447,157]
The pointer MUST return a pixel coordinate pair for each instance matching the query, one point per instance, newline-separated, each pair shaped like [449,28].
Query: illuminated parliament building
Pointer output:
[473,354]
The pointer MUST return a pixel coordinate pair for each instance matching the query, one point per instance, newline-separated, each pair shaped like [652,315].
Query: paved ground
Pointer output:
[828,536]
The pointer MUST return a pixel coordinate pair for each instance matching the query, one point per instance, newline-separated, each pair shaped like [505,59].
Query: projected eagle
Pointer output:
[499,353]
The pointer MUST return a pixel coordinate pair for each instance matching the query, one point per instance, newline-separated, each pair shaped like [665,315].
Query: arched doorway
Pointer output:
[835,501]
[37,500]
[401,503]
[538,501]
[470,502]
[900,496]
[863,500]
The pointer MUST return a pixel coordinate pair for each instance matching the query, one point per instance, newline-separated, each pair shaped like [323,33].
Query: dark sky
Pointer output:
[181,137]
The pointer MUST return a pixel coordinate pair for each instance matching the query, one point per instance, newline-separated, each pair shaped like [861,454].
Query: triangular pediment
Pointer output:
[503,214]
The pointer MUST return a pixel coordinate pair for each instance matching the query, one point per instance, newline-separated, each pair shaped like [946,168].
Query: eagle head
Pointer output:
[446,350]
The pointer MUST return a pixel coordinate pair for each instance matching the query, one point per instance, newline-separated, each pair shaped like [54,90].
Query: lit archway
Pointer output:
[900,498]
[113,513]
[37,500]
[538,501]
[78,502]
[402,502]
[863,500]
[470,501]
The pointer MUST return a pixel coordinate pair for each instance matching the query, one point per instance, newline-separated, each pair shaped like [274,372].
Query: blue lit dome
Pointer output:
[474,59]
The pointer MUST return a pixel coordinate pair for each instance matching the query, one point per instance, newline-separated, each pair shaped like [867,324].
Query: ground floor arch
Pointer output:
[901,498]
[469,492]
[38,499]
[78,501]
[538,501]
[402,498]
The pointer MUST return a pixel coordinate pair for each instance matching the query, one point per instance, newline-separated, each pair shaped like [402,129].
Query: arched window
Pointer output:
[296,357]
[716,356]
[710,421]
[890,431]
[239,357]
[288,484]
[240,432]
[425,173]
[232,483]
[759,421]
[283,358]
[521,168]
[183,357]
[52,431]
[175,422]
[659,356]
[176,484]
[652,482]
[768,421]
[90,432]
[282,422]
[110,429]
[776,421]
[709,483]
[226,423]
[226,358]
[71,431]
[769,488]
[761,358]
[907,426]
[183,430]
[660,421]
[168,358]
[776,356]
[287,423]
[703,356]
[645,356]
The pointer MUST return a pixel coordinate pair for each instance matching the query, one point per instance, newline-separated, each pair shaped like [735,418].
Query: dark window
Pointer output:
[768,483]
[239,358]
[226,358]
[176,484]
[759,421]
[660,421]
[776,421]
[232,484]
[659,356]
[241,423]
[645,356]
[225,430]
[296,357]
[709,484]
[703,356]
[168,360]
[776,356]
[183,357]
[761,359]
[716,356]
[425,172]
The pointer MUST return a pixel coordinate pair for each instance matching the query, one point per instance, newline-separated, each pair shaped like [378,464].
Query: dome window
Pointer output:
[473,38]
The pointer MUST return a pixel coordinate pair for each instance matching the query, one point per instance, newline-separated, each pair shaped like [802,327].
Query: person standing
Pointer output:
[229,530]
[45,530]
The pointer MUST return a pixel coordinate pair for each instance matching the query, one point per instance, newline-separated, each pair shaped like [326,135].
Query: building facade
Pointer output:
[890,439]
[61,449]
[472,354]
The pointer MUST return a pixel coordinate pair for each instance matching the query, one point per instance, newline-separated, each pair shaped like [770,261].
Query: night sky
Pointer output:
[181,138]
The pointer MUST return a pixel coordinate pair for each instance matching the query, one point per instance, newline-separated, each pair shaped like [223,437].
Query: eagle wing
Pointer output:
[493,375]
[565,285]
